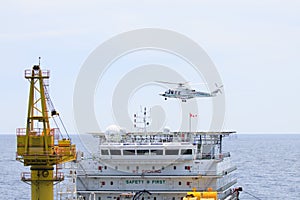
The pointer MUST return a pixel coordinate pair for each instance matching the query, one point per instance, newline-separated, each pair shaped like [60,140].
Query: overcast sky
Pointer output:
[253,44]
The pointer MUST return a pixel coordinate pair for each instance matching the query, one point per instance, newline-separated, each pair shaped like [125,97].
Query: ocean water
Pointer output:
[268,166]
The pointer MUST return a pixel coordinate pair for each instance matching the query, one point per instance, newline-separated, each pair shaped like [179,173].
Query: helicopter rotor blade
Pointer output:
[198,84]
[165,82]
[179,83]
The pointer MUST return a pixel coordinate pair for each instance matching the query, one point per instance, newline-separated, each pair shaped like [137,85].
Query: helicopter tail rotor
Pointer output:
[218,89]
[217,86]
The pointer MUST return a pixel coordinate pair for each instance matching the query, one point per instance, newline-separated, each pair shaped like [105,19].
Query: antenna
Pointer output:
[141,121]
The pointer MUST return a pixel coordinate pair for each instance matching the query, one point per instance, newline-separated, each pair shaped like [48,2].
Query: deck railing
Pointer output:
[57,176]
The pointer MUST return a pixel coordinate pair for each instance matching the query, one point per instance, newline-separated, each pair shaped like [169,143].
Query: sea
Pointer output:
[268,166]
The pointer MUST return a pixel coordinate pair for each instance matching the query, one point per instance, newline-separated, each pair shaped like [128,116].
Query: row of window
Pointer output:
[137,167]
[146,152]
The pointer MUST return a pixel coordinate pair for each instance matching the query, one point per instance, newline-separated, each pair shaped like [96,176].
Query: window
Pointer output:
[186,152]
[129,152]
[179,183]
[157,152]
[111,183]
[174,167]
[142,152]
[104,152]
[172,151]
[115,152]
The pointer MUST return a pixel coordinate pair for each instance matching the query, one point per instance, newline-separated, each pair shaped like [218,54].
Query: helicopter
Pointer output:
[183,92]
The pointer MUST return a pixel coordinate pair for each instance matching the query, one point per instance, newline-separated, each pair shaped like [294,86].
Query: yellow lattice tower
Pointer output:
[39,146]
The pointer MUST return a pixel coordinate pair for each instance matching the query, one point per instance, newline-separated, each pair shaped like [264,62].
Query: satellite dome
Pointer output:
[166,130]
[114,133]
[113,129]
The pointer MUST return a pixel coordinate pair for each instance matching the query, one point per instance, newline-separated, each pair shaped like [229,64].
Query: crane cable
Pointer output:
[57,126]
[53,112]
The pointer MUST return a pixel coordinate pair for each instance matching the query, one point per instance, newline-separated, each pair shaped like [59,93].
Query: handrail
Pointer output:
[26,176]
[28,73]
[35,131]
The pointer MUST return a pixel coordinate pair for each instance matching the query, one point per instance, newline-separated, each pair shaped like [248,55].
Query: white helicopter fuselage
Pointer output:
[185,94]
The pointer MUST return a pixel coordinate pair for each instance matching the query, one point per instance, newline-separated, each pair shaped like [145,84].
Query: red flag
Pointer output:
[191,115]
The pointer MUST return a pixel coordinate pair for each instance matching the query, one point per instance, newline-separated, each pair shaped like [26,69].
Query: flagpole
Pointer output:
[190,122]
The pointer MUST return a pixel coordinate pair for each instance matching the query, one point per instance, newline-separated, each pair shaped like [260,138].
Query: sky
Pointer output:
[253,44]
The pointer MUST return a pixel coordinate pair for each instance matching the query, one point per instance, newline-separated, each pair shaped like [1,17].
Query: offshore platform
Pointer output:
[38,146]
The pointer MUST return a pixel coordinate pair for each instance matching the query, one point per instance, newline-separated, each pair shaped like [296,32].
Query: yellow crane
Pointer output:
[39,146]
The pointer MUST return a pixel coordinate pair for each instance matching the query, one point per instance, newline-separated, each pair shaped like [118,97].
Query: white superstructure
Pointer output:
[155,165]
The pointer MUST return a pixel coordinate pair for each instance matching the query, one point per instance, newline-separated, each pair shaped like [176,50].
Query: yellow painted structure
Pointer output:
[39,146]
[207,195]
